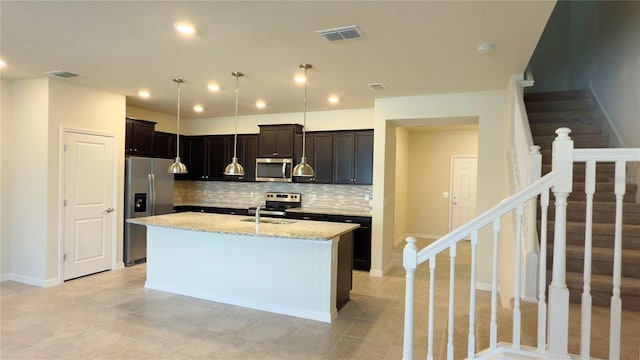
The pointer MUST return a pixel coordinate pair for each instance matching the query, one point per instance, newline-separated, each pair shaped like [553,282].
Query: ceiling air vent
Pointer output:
[377,86]
[63,74]
[343,33]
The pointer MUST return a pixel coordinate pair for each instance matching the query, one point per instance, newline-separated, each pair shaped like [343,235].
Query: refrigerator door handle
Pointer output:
[152,194]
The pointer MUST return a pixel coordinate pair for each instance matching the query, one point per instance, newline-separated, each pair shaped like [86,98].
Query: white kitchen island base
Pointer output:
[288,276]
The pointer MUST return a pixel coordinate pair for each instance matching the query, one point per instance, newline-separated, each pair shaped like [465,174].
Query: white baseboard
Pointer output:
[483,286]
[5,277]
[119,266]
[31,280]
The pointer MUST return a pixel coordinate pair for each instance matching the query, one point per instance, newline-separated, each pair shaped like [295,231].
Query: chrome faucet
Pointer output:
[258,214]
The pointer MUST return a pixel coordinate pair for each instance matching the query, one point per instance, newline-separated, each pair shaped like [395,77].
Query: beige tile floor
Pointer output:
[112,316]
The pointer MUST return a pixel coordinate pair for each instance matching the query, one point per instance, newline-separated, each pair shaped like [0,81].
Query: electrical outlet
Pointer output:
[313,196]
[367,196]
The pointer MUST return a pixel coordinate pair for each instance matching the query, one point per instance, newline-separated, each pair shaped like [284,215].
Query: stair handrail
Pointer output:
[503,207]
[412,258]
[527,166]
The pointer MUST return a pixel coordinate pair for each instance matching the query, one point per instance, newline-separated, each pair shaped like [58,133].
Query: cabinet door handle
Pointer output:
[348,220]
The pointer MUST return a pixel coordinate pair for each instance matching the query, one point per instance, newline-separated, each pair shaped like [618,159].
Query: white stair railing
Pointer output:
[553,323]
[527,166]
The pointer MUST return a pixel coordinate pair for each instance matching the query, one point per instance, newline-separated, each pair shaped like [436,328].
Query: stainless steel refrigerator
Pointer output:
[148,191]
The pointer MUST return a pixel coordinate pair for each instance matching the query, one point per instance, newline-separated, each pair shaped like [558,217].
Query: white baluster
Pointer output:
[432,285]
[452,304]
[616,302]
[542,278]
[558,292]
[585,324]
[471,343]
[493,337]
[518,279]
[409,261]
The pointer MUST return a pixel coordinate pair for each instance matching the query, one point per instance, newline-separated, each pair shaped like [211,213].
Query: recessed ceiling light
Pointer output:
[2,63]
[300,79]
[260,104]
[486,47]
[198,108]
[213,87]
[144,93]
[185,28]
[334,99]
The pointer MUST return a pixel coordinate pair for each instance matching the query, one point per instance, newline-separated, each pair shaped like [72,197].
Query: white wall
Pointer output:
[489,107]
[79,107]
[402,185]
[430,153]
[316,121]
[164,122]
[31,189]
[5,115]
[24,174]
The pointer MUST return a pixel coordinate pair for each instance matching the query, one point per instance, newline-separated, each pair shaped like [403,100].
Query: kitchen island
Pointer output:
[293,267]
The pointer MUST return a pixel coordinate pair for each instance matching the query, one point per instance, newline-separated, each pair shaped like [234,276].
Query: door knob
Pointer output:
[109,210]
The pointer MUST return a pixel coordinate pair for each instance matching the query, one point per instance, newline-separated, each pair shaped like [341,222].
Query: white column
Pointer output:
[558,292]
[409,261]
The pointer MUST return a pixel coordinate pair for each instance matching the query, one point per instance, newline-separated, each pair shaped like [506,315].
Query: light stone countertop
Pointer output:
[245,225]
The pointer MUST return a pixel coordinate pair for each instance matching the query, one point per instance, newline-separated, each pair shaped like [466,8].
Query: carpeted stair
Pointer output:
[578,111]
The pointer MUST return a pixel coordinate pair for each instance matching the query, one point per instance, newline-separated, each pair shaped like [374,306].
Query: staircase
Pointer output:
[578,111]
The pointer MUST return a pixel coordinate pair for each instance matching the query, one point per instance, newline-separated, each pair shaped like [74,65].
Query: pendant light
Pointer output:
[234,168]
[303,169]
[177,167]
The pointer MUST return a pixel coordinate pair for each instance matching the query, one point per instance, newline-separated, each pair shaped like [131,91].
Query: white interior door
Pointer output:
[88,203]
[463,190]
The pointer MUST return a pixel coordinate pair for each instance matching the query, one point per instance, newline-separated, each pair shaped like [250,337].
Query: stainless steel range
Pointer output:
[276,204]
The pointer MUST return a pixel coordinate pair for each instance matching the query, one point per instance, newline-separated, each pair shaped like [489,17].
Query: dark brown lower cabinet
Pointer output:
[345,275]
[361,236]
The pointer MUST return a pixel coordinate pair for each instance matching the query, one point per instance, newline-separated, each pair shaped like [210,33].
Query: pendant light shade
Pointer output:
[303,169]
[178,167]
[234,168]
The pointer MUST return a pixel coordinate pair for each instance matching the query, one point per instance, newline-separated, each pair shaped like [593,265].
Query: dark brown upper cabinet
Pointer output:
[278,140]
[247,153]
[164,145]
[353,157]
[319,152]
[139,137]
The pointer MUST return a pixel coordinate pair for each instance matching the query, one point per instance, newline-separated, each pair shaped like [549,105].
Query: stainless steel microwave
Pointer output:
[274,169]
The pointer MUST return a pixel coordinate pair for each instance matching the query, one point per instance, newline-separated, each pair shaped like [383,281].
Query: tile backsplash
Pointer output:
[219,193]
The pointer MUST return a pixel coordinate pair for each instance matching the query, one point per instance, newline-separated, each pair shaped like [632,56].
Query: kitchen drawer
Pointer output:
[306,216]
[211,209]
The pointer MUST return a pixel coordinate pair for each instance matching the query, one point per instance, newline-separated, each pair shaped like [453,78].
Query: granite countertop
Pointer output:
[245,225]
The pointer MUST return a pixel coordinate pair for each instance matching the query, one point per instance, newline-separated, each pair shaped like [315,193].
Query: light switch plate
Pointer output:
[445,194]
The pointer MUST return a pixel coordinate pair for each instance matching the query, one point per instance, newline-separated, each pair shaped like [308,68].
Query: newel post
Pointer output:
[531,246]
[562,166]
[410,262]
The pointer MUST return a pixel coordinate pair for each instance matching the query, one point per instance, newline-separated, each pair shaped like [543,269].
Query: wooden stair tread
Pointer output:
[604,283]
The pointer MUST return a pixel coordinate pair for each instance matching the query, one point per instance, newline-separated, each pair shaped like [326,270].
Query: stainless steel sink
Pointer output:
[270,221]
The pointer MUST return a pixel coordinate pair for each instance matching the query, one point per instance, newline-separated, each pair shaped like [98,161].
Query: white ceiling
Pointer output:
[414,48]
